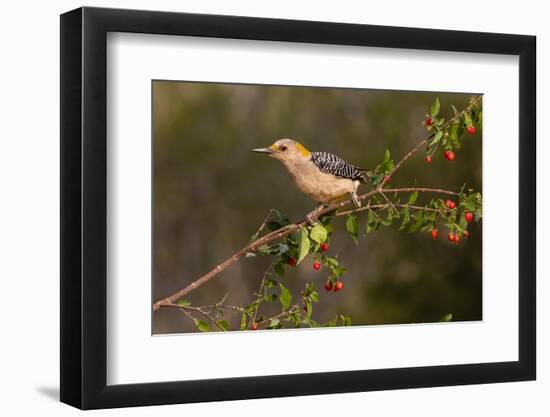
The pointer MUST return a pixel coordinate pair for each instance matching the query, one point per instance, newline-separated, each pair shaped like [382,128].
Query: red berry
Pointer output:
[292,261]
[338,286]
[468,216]
[435,234]
[428,159]
[450,155]
[328,286]
[316,266]
[450,204]
[429,121]
[457,239]
[323,247]
[466,234]
[254,326]
[471,130]
[451,237]
[386,178]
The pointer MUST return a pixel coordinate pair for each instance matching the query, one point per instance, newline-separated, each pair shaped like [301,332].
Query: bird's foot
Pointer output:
[355,200]
[310,220]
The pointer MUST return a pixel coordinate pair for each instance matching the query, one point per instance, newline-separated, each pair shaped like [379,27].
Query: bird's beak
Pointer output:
[268,151]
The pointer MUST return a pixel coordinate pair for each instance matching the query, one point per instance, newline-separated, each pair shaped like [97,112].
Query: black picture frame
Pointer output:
[84,207]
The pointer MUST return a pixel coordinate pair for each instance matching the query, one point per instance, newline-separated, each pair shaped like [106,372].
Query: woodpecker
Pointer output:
[323,176]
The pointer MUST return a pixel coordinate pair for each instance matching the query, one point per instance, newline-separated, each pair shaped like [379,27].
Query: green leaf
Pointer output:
[309,309]
[314,297]
[454,131]
[385,167]
[270,283]
[305,245]
[223,324]
[263,250]
[273,225]
[446,317]
[388,220]
[372,222]
[418,218]
[438,121]
[470,205]
[243,322]
[352,227]
[183,303]
[468,119]
[318,234]
[285,298]
[413,197]
[278,249]
[281,218]
[434,109]
[270,297]
[346,321]
[331,262]
[202,325]
[406,218]
[279,269]
[274,324]
[436,138]
[338,271]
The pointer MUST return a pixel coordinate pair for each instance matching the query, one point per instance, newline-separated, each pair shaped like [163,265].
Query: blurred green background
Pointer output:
[211,194]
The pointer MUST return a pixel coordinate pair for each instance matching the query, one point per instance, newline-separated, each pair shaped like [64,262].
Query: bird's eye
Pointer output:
[283,148]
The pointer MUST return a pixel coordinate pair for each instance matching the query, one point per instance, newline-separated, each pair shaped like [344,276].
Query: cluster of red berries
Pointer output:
[449,155]
[450,204]
[454,237]
[330,287]
[316,265]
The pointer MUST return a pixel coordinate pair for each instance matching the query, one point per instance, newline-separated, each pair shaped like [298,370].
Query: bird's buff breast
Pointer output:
[319,186]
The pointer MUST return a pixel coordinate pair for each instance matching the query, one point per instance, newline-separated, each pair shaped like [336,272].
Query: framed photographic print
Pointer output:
[258,208]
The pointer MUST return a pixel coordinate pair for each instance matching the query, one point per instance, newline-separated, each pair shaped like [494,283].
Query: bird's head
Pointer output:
[285,150]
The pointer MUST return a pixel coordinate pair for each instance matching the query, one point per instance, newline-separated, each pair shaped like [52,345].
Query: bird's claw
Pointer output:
[355,200]
[310,220]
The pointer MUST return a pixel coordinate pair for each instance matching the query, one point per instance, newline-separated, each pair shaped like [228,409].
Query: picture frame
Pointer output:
[84,221]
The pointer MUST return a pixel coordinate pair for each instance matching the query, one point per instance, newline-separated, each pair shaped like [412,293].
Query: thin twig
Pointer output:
[472,104]
[382,206]
[260,294]
[420,190]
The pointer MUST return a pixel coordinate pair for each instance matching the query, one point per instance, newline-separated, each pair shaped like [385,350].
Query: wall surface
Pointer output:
[29,175]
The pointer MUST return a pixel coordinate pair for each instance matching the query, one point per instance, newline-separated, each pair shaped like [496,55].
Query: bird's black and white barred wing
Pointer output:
[334,165]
